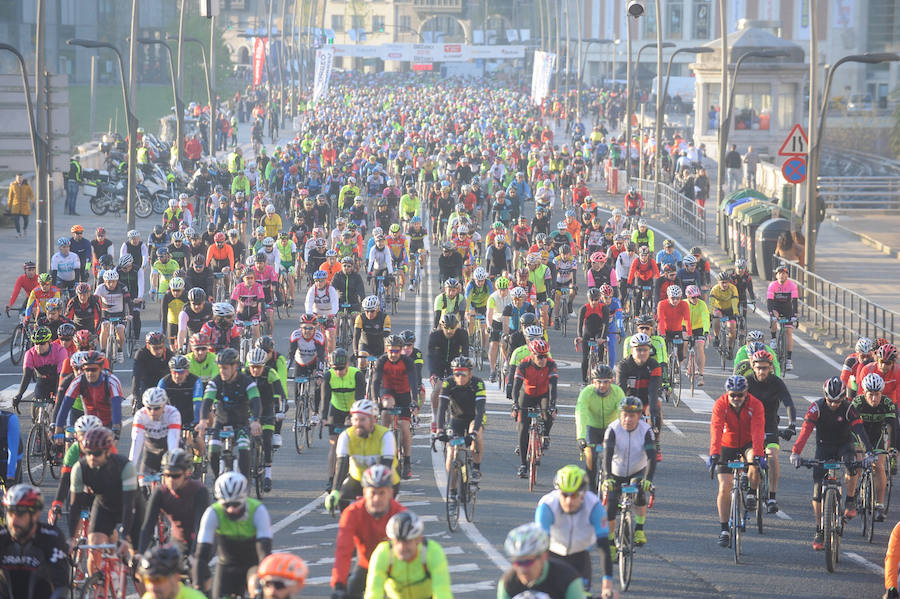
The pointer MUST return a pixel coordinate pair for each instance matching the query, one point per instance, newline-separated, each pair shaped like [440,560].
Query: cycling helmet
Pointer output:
[644,251]
[363,406]
[689,261]
[257,357]
[534,331]
[480,274]
[602,372]
[447,246]
[320,275]
[87,422]
[268,242]
[449,321]
[285,567]
[642,223]
[736,383]
[526,540]
[561,226]
[219,237]
[346,261]
[754,336]
[887,352]
[110,275]
[41,335]
[873,382]
[228,356]
[692,291]
[756,346]
[762,356]
[631,403]
[532,258]
[606,289]
[668,243]
[97,439]
[231,487]
[106,262]
[266,343]
[833,388]
[527,319]
[162,251]
[598,257]
[197,295]
[395,228]
[199,341]
[644,320]
[83,288]
[462,362]
[673,292]
[63,242]
[339,357]
[177,459]
[307,318]
[211,227]
[270,209]
[154,338]
[409,337]
[404,526]
[177,236]
[154,397]
[519,293]
[179,363]
[370,303]
[782,268]
[83,338]
[640,339]
[539,347]
[328,254]
[377,476]
[161,561]
[23,497]
[44,277]
[740,264]
[176,284]
[864,345]
[394,341]
[501,283]
[260,230]
[723,276]
[222,310]
[54,303]
[594,294]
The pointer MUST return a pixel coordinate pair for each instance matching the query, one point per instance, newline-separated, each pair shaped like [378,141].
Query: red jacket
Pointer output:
[728,428]
[646,272]
[670,319]
[891,388]
[358,529]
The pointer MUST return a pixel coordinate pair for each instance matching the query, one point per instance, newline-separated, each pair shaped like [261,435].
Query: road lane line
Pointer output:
[471,587]
[296,515]
[673,428]
[864,562]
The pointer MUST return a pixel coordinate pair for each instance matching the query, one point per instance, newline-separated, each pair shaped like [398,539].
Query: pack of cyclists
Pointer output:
[347,220]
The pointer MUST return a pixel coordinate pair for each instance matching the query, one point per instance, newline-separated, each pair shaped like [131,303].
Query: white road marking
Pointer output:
[673,428]
[683,421]
[453,550]
[318,580]
[296,515]
[782,515]
[864,562]
[484,585]
[307,529]
[699,403]
[462,567]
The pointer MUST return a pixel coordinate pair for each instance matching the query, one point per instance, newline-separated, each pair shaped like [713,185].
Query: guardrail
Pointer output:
[680,209]
[839,312]
[860,193]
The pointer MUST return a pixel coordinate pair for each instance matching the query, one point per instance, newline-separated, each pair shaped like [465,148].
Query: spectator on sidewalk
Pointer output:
[733,163]
[73,180]
[20,200]
[701,187]
[790,246]
[751,159]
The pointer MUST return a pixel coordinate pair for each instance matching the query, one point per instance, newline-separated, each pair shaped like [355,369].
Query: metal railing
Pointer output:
[860,193]
[677,207]
[838,312]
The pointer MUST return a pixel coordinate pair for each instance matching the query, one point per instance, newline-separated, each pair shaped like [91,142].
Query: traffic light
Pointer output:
[330,40]
[381,29]
[635,8]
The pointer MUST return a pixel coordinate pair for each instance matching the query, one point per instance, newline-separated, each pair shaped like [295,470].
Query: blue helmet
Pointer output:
[320,275]
[415,219]
[736,383]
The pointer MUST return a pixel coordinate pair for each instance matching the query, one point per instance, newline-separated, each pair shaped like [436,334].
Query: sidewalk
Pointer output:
[878,230]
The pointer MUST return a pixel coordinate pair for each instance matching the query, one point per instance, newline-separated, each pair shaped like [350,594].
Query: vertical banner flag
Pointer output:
[541,74]
[259,59]
[324,63]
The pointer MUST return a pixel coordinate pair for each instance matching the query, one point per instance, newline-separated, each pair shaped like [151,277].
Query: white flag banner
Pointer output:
[540,75]
[324,65]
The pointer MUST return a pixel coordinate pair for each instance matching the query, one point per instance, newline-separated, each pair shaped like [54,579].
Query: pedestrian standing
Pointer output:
[701,187]
[751,159]
[733,164]
[21,197]
[73,180]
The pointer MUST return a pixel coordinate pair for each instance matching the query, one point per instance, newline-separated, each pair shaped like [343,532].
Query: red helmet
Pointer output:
[598,257]
[308,319]
[25,497]
[606,289]
[199,340]
[539,346]
[887,352]
[97,439]
[83,338]
[94,358]
[762,356]
[219,237]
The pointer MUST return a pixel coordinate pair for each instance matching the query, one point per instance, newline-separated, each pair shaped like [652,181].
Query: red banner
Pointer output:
[259,59]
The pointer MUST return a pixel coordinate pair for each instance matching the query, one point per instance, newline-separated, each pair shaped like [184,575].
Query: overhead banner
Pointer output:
[324,63]
[540,75]
[259,59]
[422,53]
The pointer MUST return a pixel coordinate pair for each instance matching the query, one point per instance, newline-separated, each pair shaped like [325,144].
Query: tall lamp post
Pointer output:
[131,124]
[41,167]
[206,72]
[588,43]
[815,149]
[661,109]
[179,108]
[637,66]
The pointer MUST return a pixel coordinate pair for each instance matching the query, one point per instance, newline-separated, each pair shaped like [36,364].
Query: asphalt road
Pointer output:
[681,558]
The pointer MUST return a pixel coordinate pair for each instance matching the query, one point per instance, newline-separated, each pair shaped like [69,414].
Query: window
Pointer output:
[702,20]
[337,23]
[752,106]
[378,23]
[674,20]
[359,21]
[235,5]
[786,94]
[405,22]
[649,19]
[713,108]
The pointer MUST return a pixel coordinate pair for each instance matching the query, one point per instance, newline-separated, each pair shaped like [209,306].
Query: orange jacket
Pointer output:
[331,269]
[671,319]
[360,530]
[892,558]
[728,428]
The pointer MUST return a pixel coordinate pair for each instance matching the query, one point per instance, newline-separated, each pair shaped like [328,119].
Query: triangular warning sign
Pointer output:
[796,143]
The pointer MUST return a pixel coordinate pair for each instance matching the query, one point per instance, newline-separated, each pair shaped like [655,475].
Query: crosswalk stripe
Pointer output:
[700,402]
[484,585]
[463,568]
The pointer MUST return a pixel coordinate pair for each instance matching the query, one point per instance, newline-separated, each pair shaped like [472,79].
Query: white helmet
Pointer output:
[463,230]
[519,293]
[363,406]
[111,275]
[87,422]
[534,331]
[270,209]
[480,274]
[173,203]
[223,309]
[231,486]
[370,303]
[268,242]
[176,283]
[155,397]
[377,231]
[673,291]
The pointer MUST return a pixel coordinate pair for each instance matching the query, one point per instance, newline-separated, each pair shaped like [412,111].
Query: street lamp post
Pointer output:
[630,109]
[587,49]
[40,160]
[206,72]
[179,108]
[638,66]
[661,109]
[815,149]
[131,124]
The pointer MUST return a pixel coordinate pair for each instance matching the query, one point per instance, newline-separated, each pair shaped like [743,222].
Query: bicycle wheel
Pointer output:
[736,505]
[55,455]
[307,426]
[534,447]
[889,485]
[17,347]
[471,492]
[256,468]
[93,587]
[34,454]
[830,518]
[625,542]
[298,425]
[692,371]
[761,494]
[677,383]
[452,505]
[869,483]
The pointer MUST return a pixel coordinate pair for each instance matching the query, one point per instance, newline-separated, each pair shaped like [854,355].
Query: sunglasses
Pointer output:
[541,357]
[737,395]
[154,409]
[20,511]
[370,311]
[461,373]
[91,369]
[394,351]
[155,579]
[570,495]
[173,476]
[524,563]
[95,453]
[307,329]
[232,504]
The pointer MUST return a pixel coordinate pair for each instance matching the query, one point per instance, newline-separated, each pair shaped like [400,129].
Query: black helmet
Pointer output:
[265,342]
[449,320]
[228,356]
[394,341]
[644,319]
[833,388]
[602,372]
[66,330]
[178,362]
[527,319]
[339,357]
[594,293]
[164,560]
[177,459]
[409,337]
[196,295]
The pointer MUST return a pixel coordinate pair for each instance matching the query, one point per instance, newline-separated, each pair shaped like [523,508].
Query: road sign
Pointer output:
[796,143]
[794,169]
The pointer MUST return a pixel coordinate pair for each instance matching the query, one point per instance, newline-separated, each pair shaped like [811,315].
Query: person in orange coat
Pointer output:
[673,318]
[891,561]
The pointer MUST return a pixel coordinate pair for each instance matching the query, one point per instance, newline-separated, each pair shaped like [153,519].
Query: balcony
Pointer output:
[438,5]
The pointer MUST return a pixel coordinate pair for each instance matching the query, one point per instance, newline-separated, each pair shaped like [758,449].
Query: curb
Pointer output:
[868,240]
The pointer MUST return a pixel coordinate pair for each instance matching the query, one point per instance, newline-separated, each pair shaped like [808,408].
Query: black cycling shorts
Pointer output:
[460,426]
[373,347]
[402,401]
[731,454]
[337,420]
[496,330]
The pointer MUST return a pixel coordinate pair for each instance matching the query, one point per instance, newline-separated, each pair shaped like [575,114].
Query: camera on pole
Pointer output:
[635,8]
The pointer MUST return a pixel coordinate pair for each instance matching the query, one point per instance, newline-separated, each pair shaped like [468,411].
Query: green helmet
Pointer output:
[502,283]
[569,479]
[41,335]
[44,277]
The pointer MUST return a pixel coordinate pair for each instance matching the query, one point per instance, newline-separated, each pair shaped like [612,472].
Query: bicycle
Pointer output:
[302,417]
[675,378]
[866,498]
[692,370]
[161,530]
[624,534]
[226,459]
[478,349]
[344,327]
[112,342]
[737,521]
[40,450]
[832,523]
[394,414]
[597,477]
[781,342]
[535,446]
[257,466]
[221,291]
[725,343]
[418,271]
[561,318]
[459,476]
[21,338]
[109,581]
[246,337]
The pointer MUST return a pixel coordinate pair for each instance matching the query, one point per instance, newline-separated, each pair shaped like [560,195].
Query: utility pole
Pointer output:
[723,110]
[214,103]
[132,57]
[42,176]
[659,116]
[568,53]
[282,52]
[812,134]
[629,90]
[180,57]
[92,120]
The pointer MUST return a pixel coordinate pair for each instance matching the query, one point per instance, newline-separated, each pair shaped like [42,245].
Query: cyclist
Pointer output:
[116,302]
[593,323]
[836,423]
[864,353]
[723,301]
[40,295]
[185,392]
[151,363]
[156,430]
[202,362]
[771,391]
[33,555]
[342,385]
[323,300]
[596,408]
[566,279]
[496,304]
[172,305]
[271,396]
[363,525]
[640,375]
[196,312]
[398,244]
[394,381]
[535,571]
[309,355]
[634,202]
[371,328]
[575,519]
[162,272]
[478,291]
[643,235]
[781,303]
[407,565]
[65,266]
[221,332]
[250,301]
[220,258]
[535,385]
[363,444]
[180,498]
[741,279]
[891,559]
[380,262]
[72,455]
[444,345]
[84,310]
[737,432]
[700,323]
[463,398]
[673,317]
[235,397]
[24,283]
[449,301]
[240,527]
[668,255]
[879,414]
[100,393]
[885,365]
[43,363]
[540,275]
[641,275]
[753,345]
[349,285]
[160,569]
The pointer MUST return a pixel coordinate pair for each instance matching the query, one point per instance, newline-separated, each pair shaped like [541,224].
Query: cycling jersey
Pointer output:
[192,321]
[574,532]
[498,304]
[782,298]
[368,451]
[65,266]
[342,391]
[595,410]
[873,417]
[737,429]
[84,316]
[394,377]
[626,451]
[699,315]
[743,355]
[156,436]
[539,276]
[186,397]
[725,299]
[307,352]
[466,402]
[110,484]
[380,259]
[360,530]
[673,319]
[397,245]
[891,377]
[565,270]
[37,299]
[642,273]
[204,370]
[222,256]
[323,302]
[114,302]
[166,269]
[172,307]
[477,295]
[640,380]
[425,576]
[833,427]
[236,401]
[249,298]
[535,381]
[771,392]
[557,580]
[48,368]
[102,399]
[219,338]
[237,538]
[41,561]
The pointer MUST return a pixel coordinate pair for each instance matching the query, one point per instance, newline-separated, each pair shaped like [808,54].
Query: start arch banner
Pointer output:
[419,53]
